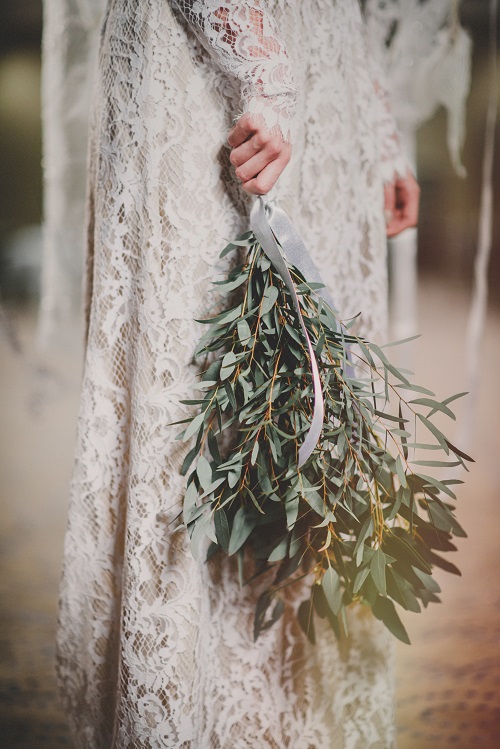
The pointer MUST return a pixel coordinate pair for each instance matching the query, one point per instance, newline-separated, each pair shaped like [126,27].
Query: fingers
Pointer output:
[401,202]
[389,202]
[249,159]
[267,177]
[408,193]
[240,132]
[258,155]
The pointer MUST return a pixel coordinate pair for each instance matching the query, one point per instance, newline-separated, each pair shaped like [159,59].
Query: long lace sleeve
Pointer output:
[243,38]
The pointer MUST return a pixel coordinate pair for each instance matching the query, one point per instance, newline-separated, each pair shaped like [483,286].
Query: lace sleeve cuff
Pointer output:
[242,37]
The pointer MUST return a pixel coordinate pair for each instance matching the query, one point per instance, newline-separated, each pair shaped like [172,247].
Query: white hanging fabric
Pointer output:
[70,36]
[426,56]
[477,313]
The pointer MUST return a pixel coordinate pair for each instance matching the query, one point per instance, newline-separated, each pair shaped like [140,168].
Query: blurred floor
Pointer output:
[448,680]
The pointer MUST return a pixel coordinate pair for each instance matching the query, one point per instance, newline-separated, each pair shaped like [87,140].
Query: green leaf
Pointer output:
[293,333]
[450,400]
[360,578]
[225,317]
[213,446]
[190,500]
[443,563]
[390,417]
[204,472]
[277,612]
[188,460]
[305,616]
[229,389]
[459,452]
[385,611]
[291,509]
[442,518]
[438,484]
[414,388]
[332,589]
[401,472]
[314,500]
[435,405]
[269,299]
[403,340]
[243,525]
[366,530]
[212,487]
[436,463]
[193,513]
[244,332]
[279,552]
[400,548]
[228,365]
[242,241]
[399,589]
[435,431]
[287,568]
[204,384]
[234,284]
[428,581]
[263,603]
[197,532]
[227,249]
[404,436]
[377,568]
[221,529]
[195,425]
[210,375]
[387,364]
[254,500]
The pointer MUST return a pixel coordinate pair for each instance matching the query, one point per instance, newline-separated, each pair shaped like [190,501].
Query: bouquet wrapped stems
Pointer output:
[362,518]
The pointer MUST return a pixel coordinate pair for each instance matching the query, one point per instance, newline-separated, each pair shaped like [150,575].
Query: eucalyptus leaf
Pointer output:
[384,610]
[195,425]
[269,299]
[332,589]
[204,471]
[377,568]
[244,332]
[221,529]
[306,619]
[360,579]
[279,552]
[243,525]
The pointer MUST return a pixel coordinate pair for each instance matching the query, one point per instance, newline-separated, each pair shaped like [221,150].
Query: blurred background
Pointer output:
[449,679]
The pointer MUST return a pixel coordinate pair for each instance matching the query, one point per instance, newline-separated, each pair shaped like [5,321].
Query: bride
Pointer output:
[198,106]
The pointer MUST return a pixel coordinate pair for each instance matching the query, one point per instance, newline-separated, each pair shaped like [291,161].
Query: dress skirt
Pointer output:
[155,650]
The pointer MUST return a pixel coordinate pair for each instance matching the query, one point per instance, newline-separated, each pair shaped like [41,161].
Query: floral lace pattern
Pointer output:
[154,649]
[246,43]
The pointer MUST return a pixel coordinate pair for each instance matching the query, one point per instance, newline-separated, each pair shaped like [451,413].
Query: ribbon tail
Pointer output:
[261,228]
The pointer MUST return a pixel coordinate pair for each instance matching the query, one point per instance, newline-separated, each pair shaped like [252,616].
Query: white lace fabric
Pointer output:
[245,42]
[154,649]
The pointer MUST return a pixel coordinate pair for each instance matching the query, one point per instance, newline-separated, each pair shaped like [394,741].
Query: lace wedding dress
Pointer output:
[155,650]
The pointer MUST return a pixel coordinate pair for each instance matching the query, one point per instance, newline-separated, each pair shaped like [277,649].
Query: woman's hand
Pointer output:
[258,154]
[401,199]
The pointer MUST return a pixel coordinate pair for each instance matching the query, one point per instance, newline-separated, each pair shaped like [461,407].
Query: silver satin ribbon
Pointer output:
[279,239]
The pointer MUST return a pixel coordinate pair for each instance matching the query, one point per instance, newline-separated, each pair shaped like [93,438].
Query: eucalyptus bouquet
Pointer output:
[361,517]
